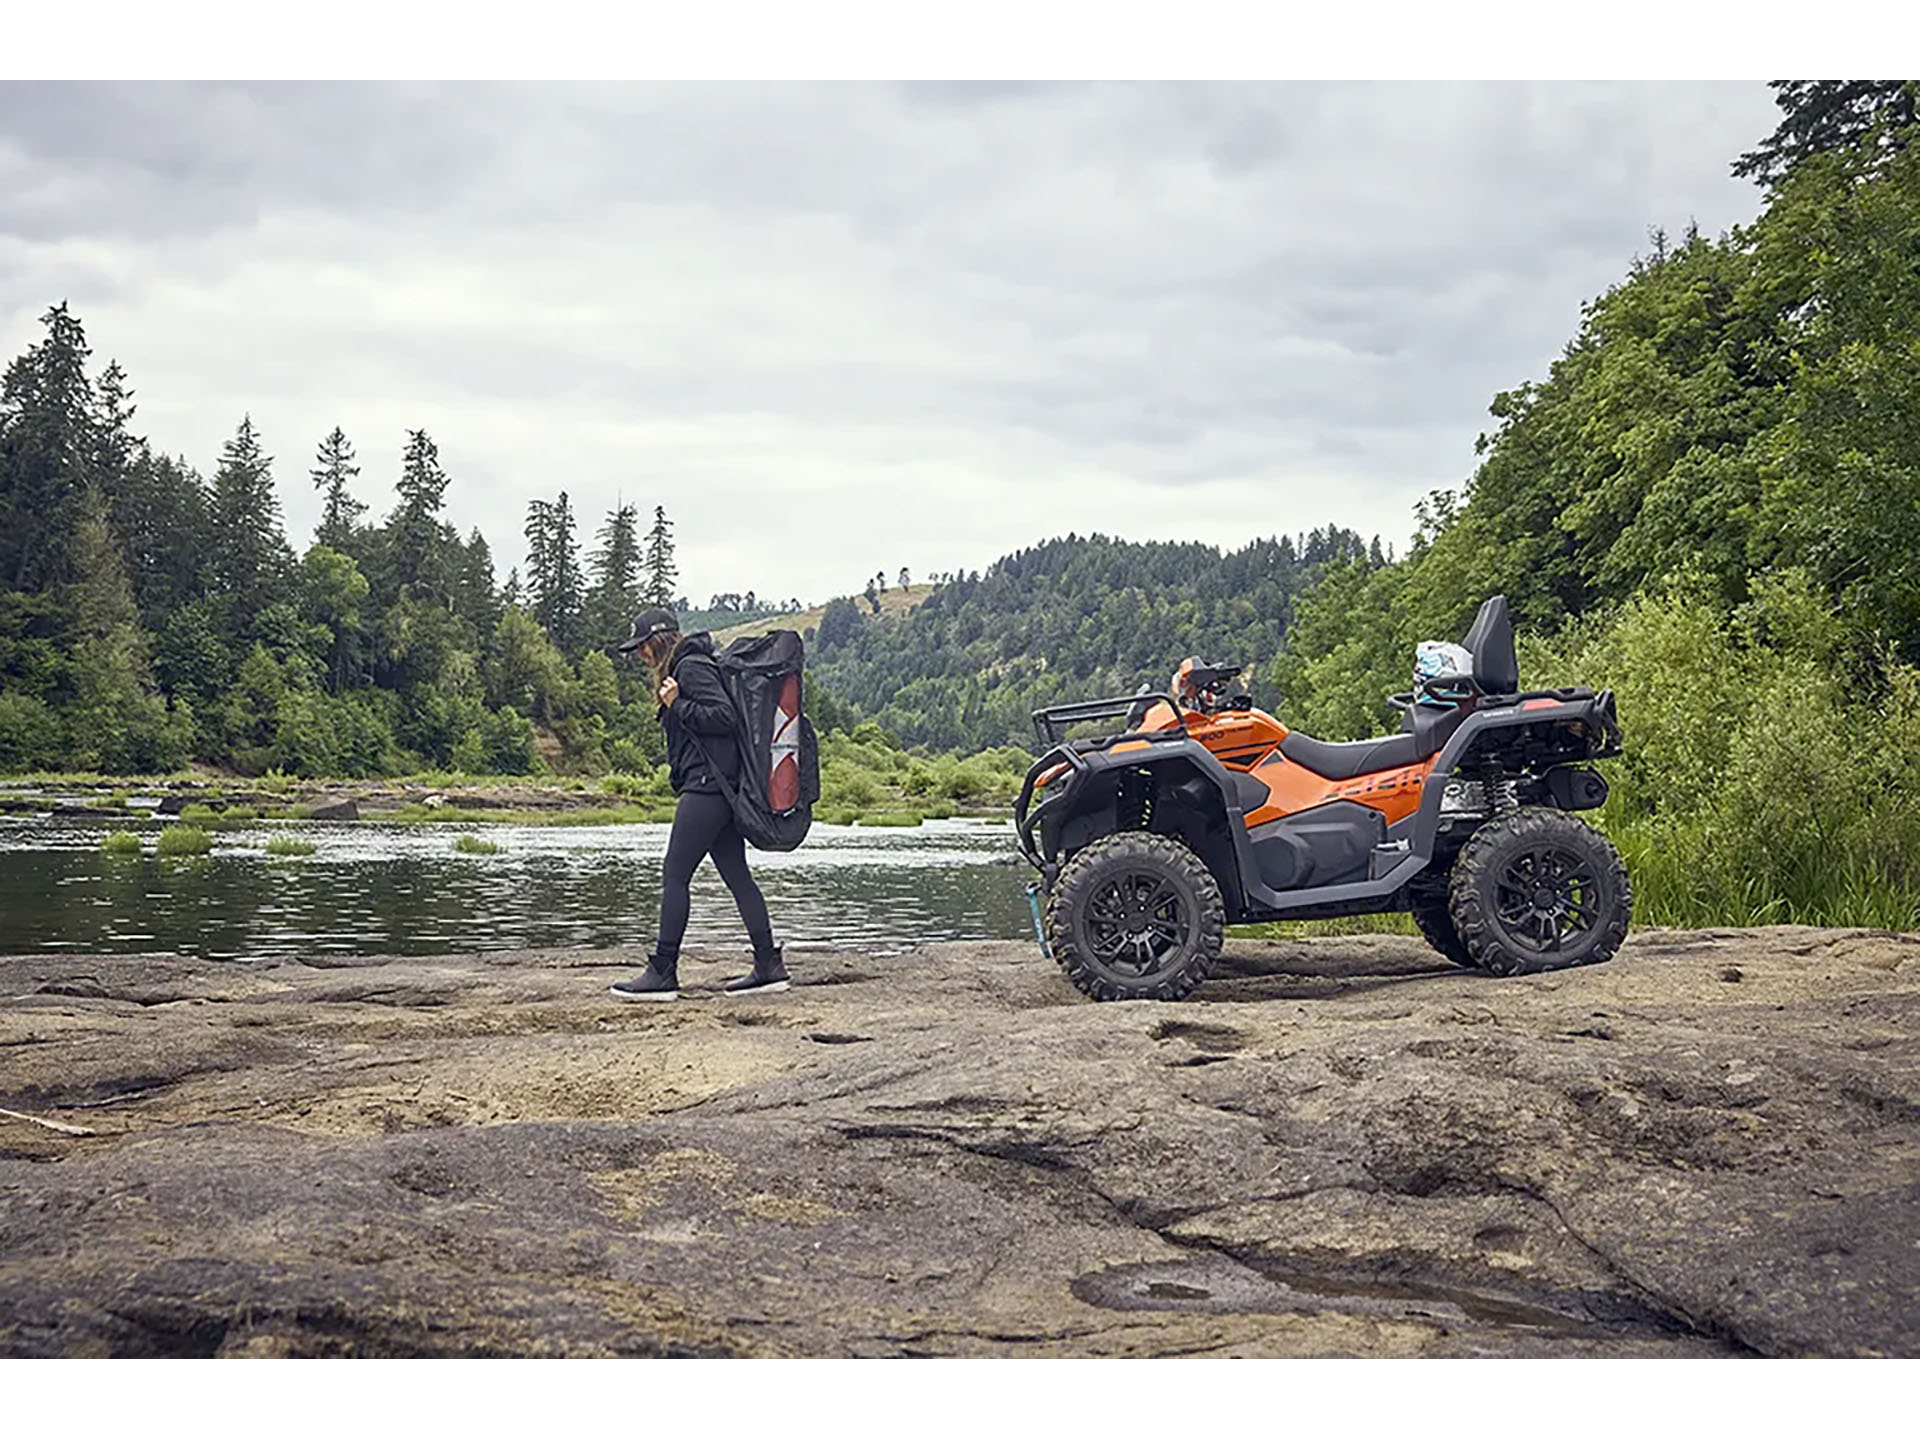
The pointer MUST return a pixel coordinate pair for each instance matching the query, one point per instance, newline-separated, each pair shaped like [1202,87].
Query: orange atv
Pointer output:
[1206,812]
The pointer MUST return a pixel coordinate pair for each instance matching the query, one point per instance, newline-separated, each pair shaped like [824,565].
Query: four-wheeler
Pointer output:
[1206,812]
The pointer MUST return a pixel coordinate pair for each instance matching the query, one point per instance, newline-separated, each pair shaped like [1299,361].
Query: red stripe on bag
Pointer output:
[783,782]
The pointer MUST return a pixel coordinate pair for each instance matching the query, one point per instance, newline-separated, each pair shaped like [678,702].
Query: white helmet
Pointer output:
[1439,657]
[1431,660]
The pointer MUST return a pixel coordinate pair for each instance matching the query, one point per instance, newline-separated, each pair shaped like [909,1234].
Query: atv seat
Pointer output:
[1343,761]
[1428,731]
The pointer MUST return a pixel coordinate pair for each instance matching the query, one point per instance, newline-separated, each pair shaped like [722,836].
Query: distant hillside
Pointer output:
[963,664]
[894,600]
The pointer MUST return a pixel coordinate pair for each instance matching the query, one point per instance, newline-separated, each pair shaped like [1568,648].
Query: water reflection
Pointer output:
[400,890]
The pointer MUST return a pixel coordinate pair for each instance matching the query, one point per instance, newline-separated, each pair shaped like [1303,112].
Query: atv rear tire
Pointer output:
[1135,917]
[1433,920]
[1539,890]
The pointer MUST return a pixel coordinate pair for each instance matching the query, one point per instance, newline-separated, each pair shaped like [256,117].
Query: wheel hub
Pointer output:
[1547,897]
[1138,920]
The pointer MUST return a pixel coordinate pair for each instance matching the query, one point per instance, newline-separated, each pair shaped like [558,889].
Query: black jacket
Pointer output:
[701,708]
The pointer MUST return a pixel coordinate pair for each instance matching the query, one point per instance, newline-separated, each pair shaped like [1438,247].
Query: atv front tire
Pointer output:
[1537,890]
[1135,916]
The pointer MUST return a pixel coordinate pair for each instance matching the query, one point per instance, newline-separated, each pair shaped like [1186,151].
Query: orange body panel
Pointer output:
[1249,740]
[1292,788]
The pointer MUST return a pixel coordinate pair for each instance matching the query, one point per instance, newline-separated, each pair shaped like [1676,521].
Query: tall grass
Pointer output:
[183,840]
[1770,776]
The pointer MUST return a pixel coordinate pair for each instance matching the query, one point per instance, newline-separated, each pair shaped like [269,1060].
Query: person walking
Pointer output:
[699,721]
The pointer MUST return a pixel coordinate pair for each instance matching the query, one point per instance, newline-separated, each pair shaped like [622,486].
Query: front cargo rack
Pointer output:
[1049,722]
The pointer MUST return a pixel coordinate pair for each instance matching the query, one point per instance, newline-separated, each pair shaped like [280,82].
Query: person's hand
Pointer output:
[669,691]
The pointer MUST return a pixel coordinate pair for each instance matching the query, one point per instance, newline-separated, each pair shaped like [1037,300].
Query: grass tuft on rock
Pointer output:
[183,840]
[289,845]
[121,842]
[474,845]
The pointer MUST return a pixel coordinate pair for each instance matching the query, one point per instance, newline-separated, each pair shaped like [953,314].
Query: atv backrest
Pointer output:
[1490,642]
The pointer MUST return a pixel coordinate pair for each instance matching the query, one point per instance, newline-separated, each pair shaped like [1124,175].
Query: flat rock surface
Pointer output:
[1710,1146]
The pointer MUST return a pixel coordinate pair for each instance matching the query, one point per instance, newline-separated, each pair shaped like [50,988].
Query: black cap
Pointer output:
[646,625]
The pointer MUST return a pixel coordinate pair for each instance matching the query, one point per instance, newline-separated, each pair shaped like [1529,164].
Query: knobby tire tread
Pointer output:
[1074,889]
[1479,930]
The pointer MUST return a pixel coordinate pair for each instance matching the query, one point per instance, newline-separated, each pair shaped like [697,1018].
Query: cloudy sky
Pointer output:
[835,328]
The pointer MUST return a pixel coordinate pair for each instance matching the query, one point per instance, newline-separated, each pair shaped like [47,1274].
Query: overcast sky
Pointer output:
[839,328]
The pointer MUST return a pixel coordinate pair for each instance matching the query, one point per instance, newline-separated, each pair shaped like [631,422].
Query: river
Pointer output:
[387,889]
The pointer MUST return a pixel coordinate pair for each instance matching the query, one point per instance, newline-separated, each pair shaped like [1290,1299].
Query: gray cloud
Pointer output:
[834,327]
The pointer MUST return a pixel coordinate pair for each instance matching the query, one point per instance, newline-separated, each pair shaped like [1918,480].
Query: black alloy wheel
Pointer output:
[1538,889]
[1135,916]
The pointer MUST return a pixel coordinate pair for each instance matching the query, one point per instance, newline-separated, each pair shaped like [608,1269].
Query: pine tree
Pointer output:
[250,561]
[100,601]
[569,597]
[1825,115]
[554,583]
[616,571]
[339,512]
[160,515]
[474,598]
[47,446]
[662,575]
[115,444]
[415,523]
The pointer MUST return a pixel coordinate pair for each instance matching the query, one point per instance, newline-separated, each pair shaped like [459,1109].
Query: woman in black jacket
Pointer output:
[699,721]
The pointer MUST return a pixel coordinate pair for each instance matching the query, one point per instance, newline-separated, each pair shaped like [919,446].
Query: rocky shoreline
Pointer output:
[1710,1146]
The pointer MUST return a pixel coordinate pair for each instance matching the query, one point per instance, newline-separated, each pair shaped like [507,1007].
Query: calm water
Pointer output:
[370,888]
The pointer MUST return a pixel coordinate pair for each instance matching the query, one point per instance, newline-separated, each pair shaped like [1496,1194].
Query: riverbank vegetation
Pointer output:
[1711,506]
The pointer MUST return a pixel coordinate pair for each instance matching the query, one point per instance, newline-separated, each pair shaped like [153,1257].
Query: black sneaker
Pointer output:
[659,981]
[769,977]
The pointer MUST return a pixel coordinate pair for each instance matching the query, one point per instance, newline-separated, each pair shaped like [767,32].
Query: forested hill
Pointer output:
[1072,618]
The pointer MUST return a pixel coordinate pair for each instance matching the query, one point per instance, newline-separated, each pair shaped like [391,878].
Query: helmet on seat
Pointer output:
[1439,666]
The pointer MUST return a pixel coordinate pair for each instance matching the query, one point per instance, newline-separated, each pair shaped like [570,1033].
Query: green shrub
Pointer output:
[1759,784]
[121,842]
[474,845]
[29,734]
[180,839]
[199,814]
[289,845]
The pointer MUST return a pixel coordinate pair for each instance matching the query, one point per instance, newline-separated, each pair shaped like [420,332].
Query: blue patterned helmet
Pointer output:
[1433,659]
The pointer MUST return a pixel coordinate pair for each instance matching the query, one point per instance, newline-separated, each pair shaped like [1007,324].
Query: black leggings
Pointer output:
[702,826]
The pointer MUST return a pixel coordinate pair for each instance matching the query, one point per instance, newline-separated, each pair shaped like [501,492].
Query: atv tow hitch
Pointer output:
[1039,930]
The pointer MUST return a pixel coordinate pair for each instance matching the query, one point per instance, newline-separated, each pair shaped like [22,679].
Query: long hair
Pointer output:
[658,653]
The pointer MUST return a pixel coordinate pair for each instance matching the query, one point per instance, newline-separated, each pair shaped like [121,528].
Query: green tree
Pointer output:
[249,564]
[47,446]
[1843,231]
[526,670]
[331,593]
[415,535]
[615,598]
[160,512]
[554,583]
[662,575]
[1823,116]
[333,472]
